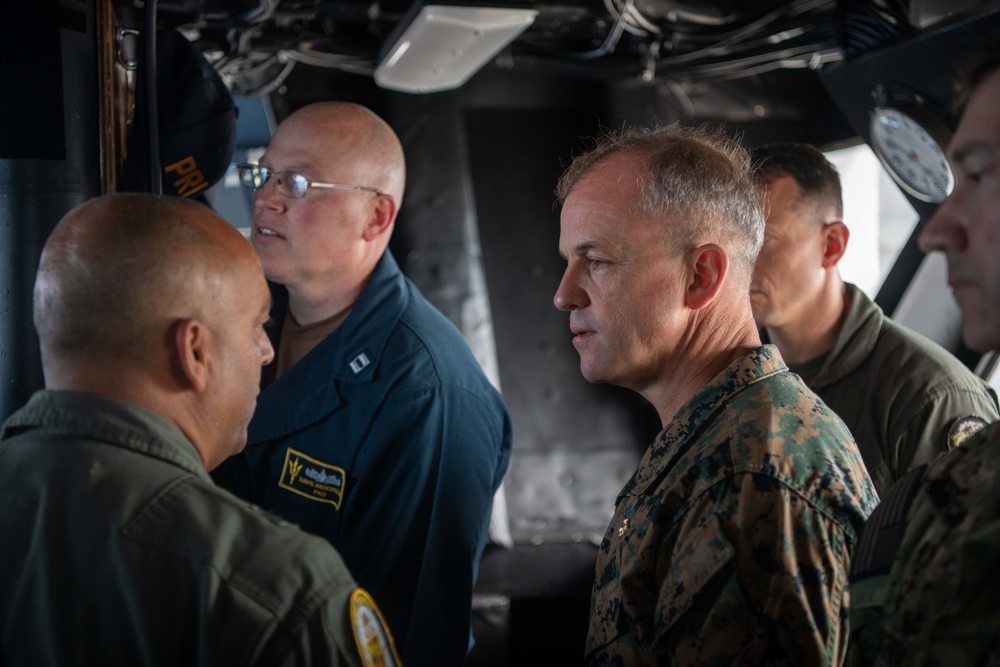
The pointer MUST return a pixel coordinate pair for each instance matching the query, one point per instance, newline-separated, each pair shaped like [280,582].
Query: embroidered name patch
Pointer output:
[373,638]
[313,479]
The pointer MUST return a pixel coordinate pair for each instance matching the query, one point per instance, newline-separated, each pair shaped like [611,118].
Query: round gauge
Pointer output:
[912,151]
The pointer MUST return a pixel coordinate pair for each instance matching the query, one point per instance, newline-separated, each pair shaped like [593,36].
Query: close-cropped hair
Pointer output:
[699,178]
[96,295]
[975,66]
[806,164]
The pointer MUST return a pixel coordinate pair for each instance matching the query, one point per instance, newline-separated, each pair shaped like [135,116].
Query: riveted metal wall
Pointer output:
[575,443]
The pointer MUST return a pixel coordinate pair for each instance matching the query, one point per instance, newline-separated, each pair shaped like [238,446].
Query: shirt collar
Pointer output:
[115,422]
[672,441]
[856,340]
[350,353]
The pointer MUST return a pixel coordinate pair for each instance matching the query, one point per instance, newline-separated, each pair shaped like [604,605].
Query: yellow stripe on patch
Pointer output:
[962,428]
[371,634]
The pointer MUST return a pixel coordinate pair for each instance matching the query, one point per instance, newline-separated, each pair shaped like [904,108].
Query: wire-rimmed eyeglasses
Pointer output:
[289,183]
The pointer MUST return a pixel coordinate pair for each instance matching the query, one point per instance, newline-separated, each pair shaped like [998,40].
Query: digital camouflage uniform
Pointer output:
[903,397]
[731,543]
[939,604]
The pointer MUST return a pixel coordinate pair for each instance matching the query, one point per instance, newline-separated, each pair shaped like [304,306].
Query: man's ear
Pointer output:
[383,214]
[191,348]
[708,265]
[835,235]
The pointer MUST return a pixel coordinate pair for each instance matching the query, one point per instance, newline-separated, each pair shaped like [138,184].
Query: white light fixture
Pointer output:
[444,45]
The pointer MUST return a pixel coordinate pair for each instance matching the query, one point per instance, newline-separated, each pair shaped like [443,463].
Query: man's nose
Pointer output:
[944,231]
[267,195]
[267,352]
[569,295]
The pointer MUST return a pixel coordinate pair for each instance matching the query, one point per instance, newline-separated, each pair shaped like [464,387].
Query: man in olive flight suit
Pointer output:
[904,397]
[732,541]
[117,547]
[924,585]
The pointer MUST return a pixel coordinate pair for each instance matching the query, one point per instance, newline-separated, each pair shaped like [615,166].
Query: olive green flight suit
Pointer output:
[904,397]
[117,549]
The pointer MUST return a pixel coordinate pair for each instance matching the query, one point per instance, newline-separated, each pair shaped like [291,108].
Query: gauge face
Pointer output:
[911,155]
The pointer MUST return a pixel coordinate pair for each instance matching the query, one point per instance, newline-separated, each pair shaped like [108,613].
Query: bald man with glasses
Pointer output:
[375,427]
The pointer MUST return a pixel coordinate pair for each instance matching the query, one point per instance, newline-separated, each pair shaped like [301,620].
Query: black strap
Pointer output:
[883,532]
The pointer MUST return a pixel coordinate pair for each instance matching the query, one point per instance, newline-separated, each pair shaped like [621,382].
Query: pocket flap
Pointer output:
[699,555]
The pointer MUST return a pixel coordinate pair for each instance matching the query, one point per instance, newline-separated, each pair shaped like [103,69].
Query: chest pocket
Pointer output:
[604,612]
[621,621]
[611,633]
[702,555]
[646,593]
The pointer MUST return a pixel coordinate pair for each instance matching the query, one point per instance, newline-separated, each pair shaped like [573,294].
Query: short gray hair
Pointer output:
[700,177]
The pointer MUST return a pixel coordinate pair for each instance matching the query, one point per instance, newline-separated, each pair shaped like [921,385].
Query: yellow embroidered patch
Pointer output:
[375,645]
[962,428]
[313,479]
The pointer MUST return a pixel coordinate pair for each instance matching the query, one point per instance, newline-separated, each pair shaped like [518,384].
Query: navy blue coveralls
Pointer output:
[388,440]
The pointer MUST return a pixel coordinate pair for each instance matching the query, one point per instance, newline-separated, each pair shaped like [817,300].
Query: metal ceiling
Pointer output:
[256,44]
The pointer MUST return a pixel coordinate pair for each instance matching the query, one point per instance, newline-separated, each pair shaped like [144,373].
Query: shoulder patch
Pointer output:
[375,645]
[962,428]
[312,478]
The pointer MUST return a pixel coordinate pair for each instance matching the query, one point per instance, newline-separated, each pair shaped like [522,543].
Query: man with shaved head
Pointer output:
[117,547]
[376,427]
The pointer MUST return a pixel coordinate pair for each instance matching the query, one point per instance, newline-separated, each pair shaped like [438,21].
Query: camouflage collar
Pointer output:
[682,430]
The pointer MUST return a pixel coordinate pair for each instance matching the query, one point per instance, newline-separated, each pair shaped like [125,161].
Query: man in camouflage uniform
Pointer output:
[905,398]
[731,542]
[924,575]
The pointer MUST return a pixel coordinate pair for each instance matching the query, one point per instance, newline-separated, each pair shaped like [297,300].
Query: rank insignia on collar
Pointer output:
[375,645]
[360,363]
[312,478]
[962,428]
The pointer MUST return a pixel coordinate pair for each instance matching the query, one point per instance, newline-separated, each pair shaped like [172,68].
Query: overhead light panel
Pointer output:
[444,45]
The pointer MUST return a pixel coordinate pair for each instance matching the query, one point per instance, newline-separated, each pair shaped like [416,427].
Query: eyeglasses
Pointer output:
[290,184]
